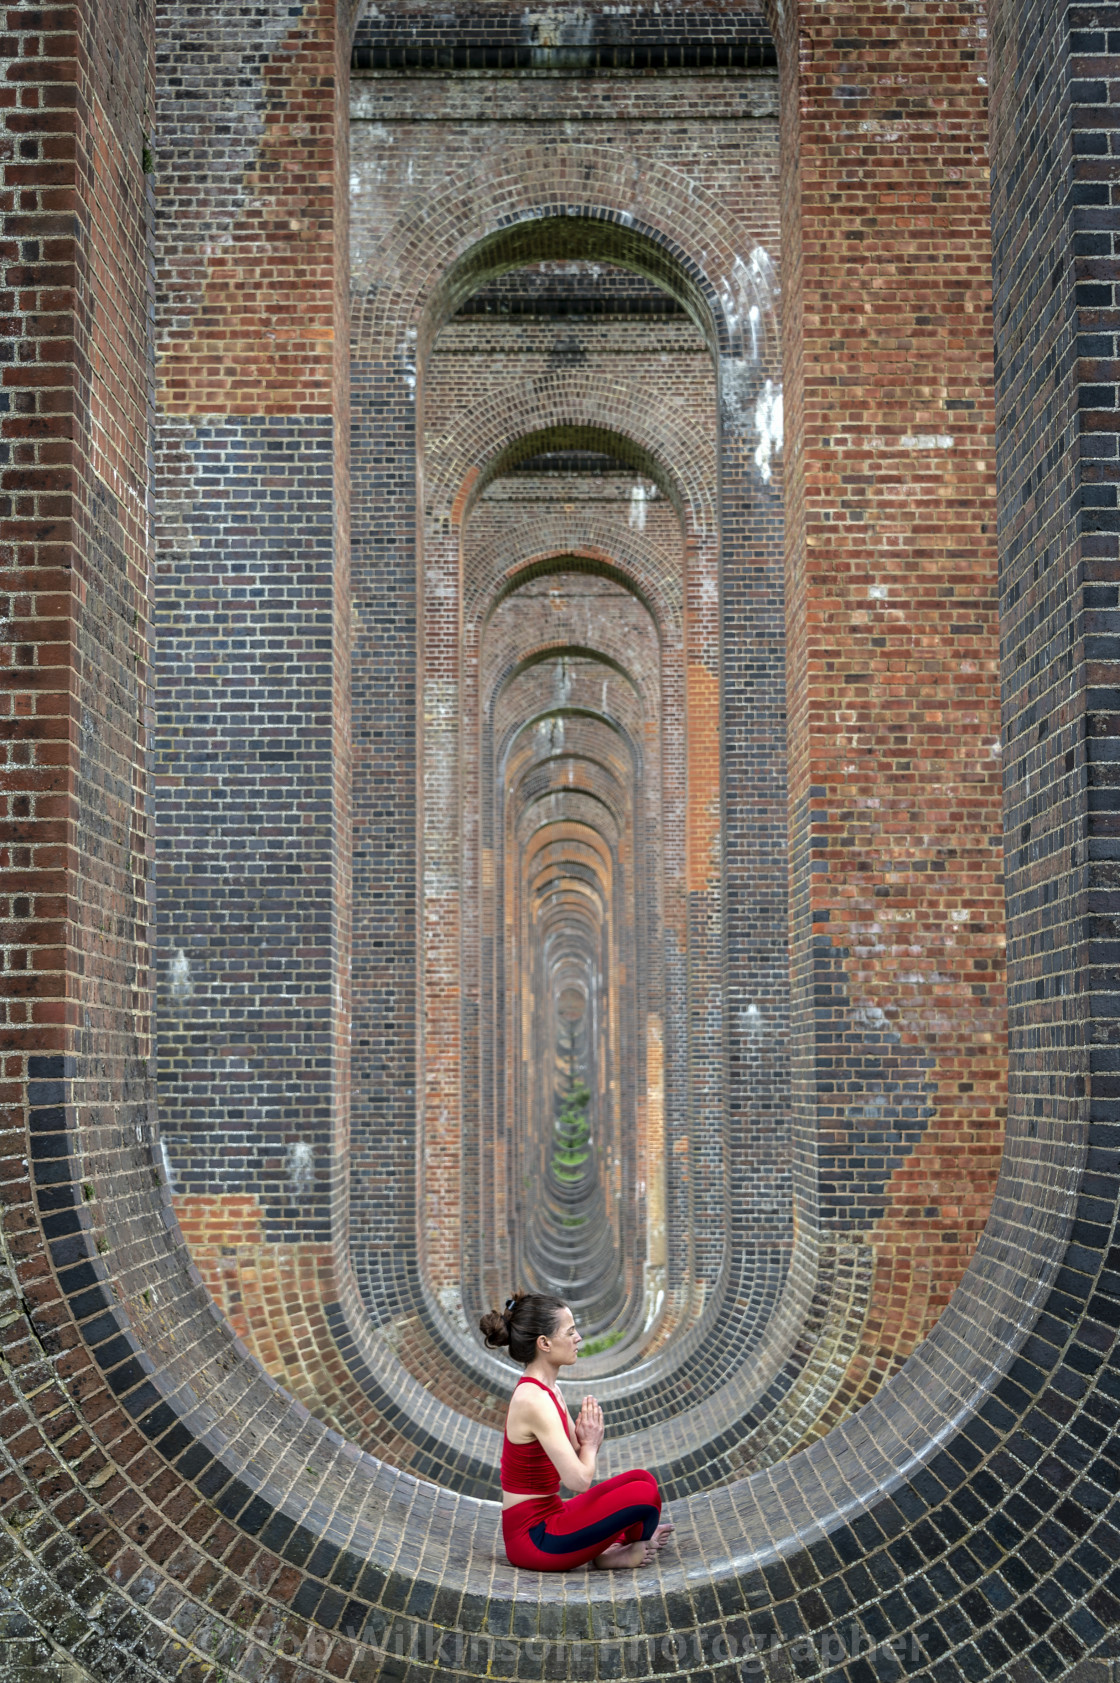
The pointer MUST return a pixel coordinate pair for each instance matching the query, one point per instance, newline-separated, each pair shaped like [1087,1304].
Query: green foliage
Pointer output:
[596,1346]
[571,1138]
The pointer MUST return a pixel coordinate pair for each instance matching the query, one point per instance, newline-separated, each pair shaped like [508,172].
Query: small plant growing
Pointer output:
[596,1346]
[572,1135]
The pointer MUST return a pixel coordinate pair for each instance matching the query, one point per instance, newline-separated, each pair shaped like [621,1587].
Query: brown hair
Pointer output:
[526,1317]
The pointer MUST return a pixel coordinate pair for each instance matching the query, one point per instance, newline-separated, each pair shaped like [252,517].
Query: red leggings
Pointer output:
[548,1535]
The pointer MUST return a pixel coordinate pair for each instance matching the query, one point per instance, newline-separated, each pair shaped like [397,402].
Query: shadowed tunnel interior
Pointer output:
[577,691]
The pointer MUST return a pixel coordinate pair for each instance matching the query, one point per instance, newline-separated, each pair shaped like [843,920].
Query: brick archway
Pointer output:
[187,1515]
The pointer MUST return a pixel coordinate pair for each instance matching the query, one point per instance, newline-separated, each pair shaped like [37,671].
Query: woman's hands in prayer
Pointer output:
[589,1424]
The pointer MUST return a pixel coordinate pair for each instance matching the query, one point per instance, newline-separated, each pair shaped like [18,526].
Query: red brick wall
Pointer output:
[905,1109]
[146,1573]
[893,678]
[253,320]
[73,496]
[253,604]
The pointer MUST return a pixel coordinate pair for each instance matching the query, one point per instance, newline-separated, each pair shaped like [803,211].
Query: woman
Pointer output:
[618,1522]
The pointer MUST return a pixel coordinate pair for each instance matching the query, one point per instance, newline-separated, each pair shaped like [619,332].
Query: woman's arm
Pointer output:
[538,1414]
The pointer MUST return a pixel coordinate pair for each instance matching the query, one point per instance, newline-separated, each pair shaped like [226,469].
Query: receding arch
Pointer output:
[530,723]
[563,406]
[683,555]
[577,234]
[565,651]
[628,574]
[659,225]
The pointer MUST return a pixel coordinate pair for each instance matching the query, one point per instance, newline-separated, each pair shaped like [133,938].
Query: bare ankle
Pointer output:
[632,1555]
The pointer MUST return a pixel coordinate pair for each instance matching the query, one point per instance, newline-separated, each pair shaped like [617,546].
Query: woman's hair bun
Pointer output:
[494,1328]
[526,1317]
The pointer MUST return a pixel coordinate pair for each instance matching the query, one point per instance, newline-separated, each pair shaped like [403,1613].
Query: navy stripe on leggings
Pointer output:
[570,1542]
[548,1535]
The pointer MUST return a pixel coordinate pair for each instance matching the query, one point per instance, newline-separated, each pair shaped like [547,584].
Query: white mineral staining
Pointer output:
[451,1302]
[301,1168]
[179,977]
[749,293]
[165,1164]
[768,421]
[868,1016]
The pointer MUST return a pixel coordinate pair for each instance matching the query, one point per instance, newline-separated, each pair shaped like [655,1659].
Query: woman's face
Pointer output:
[564,1343]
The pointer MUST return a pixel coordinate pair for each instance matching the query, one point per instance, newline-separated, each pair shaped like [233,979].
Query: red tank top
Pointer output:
[526,1468]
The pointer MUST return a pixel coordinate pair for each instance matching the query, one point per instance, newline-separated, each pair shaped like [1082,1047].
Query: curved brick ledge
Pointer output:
[757,1394]
[1003,1382]
[719,1338]
[297,1321]
[292,1321]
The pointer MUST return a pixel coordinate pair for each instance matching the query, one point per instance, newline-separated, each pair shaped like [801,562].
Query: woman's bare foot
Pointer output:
[622,1554]
[635,1554]
[654,1544]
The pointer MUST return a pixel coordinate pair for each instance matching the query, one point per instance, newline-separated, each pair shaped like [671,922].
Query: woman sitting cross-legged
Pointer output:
[616,1523]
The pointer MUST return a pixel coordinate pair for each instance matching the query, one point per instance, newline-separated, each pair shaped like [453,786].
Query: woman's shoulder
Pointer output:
[532,1396]
[526,1391]
[525,1414]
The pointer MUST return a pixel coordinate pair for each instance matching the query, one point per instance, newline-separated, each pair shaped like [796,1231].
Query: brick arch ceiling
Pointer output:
[404,286]
[577,651]
[554,411]
[492,574]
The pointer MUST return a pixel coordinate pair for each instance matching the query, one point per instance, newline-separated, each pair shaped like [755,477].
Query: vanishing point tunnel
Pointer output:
[560,617]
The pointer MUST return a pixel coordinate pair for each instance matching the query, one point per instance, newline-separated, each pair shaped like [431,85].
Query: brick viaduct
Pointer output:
[544,550]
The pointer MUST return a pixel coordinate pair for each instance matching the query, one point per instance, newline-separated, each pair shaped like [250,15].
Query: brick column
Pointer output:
[75,846]
[1055,149]
[383,1210]
[756,961]
[252,604]
[895,773]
